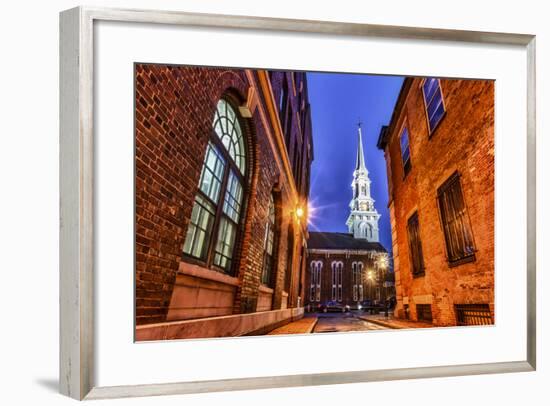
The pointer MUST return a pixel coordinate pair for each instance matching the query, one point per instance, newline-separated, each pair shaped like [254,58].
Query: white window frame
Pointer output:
[337,271]
[315,282]
[357,279]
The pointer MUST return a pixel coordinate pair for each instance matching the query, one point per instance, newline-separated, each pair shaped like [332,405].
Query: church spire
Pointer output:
[363,218]
[360,161]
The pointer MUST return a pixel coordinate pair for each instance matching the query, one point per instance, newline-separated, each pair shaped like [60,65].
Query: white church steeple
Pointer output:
[363,219]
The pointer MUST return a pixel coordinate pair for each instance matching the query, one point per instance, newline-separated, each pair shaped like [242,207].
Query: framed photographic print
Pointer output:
[247,190]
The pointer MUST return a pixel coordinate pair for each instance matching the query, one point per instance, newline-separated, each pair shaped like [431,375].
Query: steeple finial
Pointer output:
[360,162]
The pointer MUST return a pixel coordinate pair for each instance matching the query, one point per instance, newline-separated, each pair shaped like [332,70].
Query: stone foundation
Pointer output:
[223,326]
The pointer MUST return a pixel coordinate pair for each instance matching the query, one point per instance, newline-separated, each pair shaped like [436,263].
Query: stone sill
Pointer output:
[265,289]
[197,271]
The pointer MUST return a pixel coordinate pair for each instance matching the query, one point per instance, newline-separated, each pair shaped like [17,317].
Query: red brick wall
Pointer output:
[463,142]
[174,110]
[347,276]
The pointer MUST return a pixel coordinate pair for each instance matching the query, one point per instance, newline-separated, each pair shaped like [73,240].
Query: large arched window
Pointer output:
[216,214]
[269,244]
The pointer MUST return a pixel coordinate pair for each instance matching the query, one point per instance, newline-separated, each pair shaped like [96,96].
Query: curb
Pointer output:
[313,325]
[380,323]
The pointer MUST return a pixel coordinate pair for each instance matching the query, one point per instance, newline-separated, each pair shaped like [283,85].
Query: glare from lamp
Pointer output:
[299,212]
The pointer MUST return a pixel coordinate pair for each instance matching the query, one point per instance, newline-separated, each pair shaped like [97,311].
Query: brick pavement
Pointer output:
[303,326]
[390,322]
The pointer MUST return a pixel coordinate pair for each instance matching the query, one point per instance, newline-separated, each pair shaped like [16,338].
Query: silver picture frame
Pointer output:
[77,199]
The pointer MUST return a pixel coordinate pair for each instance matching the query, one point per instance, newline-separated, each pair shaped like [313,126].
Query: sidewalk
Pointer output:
[390,322]
[303,326]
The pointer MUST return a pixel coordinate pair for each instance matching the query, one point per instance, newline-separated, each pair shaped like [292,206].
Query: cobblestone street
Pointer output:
[341,322]
[329,323]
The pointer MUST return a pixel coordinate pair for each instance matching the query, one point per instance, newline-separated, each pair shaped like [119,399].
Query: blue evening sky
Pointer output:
[337,102]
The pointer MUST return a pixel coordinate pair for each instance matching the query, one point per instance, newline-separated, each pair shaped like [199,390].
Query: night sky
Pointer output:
[337,102]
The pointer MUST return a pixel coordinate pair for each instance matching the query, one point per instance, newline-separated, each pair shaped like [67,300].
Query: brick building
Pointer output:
[348,268]
[222,179]
[439,150]
[344,269]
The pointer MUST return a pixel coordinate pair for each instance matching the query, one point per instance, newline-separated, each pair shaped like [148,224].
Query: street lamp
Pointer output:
[383,265]
[370,277]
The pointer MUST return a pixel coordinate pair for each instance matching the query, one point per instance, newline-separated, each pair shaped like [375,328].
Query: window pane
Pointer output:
[434,102]
[212,173]
[430,86]
[437,116]
[199,229]
[404,139]
[224,246]
[233,197]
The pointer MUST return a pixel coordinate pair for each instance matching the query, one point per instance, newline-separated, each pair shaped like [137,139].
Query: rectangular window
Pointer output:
[199,229]
[268,255]
[473,314]
[424,312]
[415,246]
[459,239]
[405,150]
[433,100]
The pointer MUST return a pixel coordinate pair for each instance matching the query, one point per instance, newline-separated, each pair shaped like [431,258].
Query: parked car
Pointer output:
[357,306]
[372,306]
[333,306]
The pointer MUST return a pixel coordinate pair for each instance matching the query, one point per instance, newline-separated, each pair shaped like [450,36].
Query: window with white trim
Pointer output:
[269,245]
[357,280]
[337,267]
[315,286]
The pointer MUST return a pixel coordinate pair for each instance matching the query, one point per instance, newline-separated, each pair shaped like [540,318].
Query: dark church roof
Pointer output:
[341,241]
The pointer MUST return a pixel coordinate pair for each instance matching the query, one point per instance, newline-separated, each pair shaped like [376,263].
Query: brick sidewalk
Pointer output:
[395,323]
[303,326]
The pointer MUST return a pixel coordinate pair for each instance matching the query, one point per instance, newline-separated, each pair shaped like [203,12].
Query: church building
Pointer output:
[349,268]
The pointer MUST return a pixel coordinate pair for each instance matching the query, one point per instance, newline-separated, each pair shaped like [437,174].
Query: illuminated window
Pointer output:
[357,280]
[337,268]
[269,242]
[222,175]
[315,285]
[229,131]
